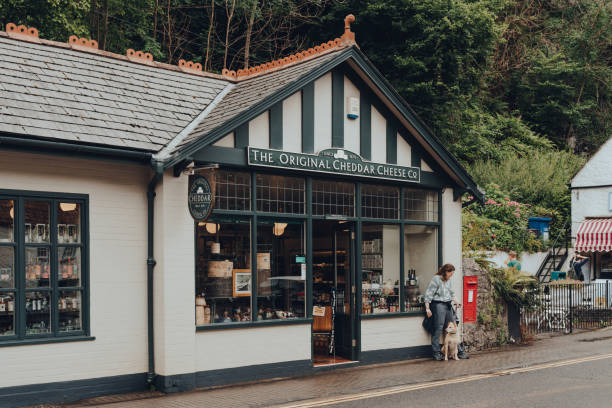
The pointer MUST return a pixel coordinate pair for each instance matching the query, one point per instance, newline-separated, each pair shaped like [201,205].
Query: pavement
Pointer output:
[405,383]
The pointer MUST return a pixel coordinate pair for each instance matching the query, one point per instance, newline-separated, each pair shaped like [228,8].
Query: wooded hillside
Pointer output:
[505,84]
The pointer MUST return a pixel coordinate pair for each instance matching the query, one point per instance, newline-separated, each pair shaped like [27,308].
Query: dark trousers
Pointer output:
[442,313]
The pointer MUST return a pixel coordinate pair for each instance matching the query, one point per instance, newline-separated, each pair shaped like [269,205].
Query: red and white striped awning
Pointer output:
[594,235]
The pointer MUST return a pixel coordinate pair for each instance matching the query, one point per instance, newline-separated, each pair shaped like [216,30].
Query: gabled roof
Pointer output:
[66,94]
[252,97]
[249,93]
[57,93]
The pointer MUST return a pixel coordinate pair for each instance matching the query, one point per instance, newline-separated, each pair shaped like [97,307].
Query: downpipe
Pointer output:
[150,267]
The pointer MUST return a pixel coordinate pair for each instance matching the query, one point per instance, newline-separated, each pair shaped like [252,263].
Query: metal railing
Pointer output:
[563,307]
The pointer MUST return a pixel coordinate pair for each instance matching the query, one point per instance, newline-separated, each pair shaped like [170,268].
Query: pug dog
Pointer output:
[451,341]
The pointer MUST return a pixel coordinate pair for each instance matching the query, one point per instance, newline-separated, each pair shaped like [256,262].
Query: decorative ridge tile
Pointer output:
[346,40]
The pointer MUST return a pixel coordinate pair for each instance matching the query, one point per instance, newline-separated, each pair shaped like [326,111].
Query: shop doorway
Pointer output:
[333,270]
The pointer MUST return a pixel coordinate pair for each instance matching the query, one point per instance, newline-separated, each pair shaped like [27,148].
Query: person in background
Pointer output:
[513,262]
[439,299]
[578,262]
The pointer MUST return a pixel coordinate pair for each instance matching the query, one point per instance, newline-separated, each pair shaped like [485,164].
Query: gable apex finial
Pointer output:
[348,34]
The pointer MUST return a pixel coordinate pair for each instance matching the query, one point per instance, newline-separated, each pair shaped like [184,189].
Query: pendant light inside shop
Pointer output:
[279,228]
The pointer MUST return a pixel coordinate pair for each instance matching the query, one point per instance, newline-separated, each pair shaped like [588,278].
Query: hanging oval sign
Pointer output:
[200,198]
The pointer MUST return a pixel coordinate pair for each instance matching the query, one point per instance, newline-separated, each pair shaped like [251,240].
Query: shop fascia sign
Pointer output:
[332,161]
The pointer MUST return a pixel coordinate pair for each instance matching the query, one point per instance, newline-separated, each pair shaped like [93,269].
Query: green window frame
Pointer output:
[78,287]
[357,217]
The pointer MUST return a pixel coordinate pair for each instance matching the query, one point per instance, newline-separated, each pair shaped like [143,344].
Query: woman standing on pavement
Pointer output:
[439,299]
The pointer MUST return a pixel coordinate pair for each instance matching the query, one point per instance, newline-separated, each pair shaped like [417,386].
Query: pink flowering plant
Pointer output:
[500,223]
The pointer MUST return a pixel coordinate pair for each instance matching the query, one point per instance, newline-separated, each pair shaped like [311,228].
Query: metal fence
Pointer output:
[563,307]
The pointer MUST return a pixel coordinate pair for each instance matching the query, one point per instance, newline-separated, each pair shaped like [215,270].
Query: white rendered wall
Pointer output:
[226,141]
[352,140]
[451,239]
[259,131]
[174,285]
[379,137]
[394,332]
[591,202]
[118,272]
[252,346]
[404,152]
[292,123]
[323,113]
[425,166]
[598,170]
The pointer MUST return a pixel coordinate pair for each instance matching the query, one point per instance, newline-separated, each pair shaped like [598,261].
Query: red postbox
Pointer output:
[470,289]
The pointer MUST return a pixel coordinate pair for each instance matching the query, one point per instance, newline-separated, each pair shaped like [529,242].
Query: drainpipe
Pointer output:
[158,168]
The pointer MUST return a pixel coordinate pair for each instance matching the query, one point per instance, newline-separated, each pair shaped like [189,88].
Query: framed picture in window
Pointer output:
[242,282]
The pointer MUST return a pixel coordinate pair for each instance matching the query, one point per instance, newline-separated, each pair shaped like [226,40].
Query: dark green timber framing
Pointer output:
[391,141]
[276,126]
[351,59]
[415,158]
[337,108]
[308,118]
[440,232]
[242,135]
[20,197]
[402,292]
[254,285]
[365,126]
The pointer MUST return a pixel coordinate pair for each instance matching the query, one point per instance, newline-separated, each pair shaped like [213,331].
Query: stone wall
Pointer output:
[491,326]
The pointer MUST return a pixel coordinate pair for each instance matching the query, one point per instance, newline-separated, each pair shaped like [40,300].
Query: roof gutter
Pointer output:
[19,142]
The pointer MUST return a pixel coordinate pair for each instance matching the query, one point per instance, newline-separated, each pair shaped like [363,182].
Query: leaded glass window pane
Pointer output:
[333,198]
[379,202]
[420,205]
[233,190]
[280,194]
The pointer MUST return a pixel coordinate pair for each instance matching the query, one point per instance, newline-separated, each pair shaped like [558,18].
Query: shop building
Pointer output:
[160,224]
[592,213]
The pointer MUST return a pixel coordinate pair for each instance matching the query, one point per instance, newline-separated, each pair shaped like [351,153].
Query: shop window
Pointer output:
[280,194]
[380,268]
[50,301]
[223,272]
[333,198]
[420,263]
[281,270]
[232,190]
[420,205]
[379,202]
[605,260]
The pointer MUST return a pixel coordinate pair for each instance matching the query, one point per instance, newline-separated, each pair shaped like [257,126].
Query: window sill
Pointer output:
[44,340]
[389,315]
[264,323]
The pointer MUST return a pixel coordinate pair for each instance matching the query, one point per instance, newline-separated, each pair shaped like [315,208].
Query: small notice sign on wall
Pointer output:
[318,311]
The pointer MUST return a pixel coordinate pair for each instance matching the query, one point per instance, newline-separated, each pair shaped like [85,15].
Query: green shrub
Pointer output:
[512,286]
[537,177]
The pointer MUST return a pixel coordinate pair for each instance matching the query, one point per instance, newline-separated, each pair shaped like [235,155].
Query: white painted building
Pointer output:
[592,212]
[164,226]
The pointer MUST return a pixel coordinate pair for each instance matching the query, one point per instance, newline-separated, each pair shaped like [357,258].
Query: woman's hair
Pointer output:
[512,253]
[444,269]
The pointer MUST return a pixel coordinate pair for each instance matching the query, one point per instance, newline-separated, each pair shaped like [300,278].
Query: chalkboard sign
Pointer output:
[200,198]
